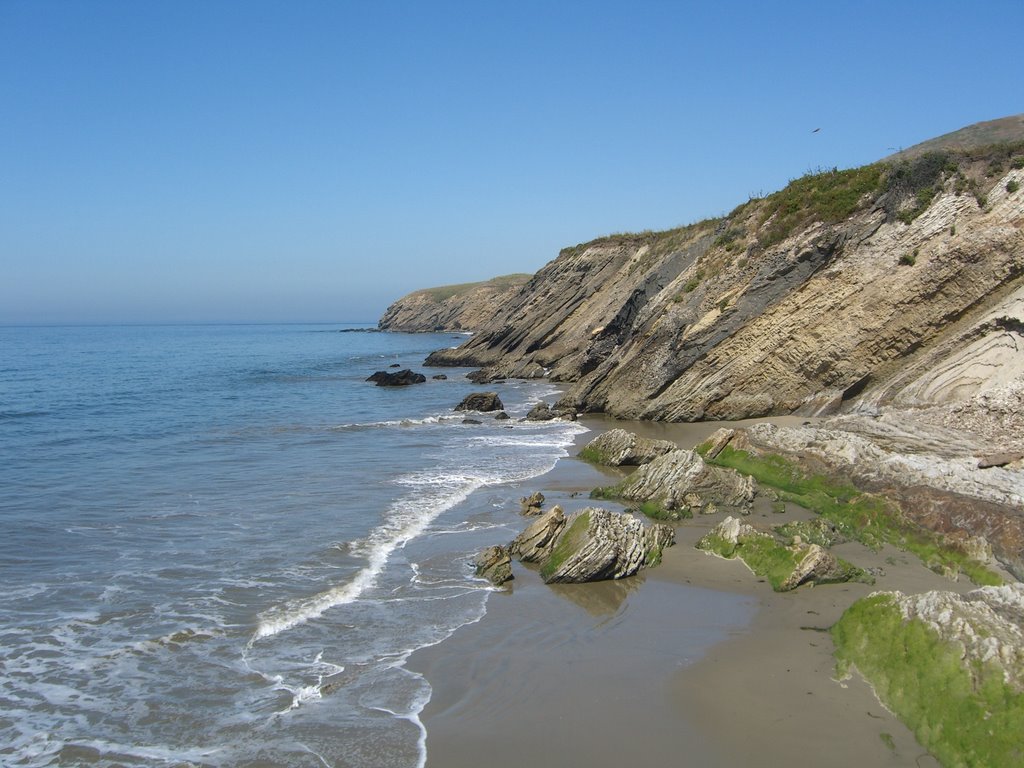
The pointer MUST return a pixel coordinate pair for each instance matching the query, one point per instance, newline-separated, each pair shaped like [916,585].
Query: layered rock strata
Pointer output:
[681,481]
[617,447]
[591,545]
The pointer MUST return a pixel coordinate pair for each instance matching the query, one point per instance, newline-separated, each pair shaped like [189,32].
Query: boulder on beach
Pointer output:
[397,379]
[681,482]
[481,401]
[617,447]
[596,544]
[494,564]
[439,377]
[535,543]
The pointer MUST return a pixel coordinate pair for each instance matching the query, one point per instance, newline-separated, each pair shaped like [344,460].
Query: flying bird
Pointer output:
[816,130]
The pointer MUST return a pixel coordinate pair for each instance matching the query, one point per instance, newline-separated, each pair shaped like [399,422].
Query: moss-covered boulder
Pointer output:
[784,567]
[680,484]
[949,666]
[597,544]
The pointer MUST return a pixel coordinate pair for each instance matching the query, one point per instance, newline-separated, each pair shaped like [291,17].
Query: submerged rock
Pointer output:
[494,564]
[617,447]
[397,379]
[501,416]
[481,401]
[439,377]
[681,481]
[596,544]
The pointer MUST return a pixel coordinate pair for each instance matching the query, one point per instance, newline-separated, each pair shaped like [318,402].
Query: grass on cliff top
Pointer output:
[964,716]
[826,196]
[568,543]
[445,292]
[872,520]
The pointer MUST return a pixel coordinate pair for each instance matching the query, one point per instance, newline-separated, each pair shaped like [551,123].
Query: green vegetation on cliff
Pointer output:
[963,712]
[445,292]
[864,517]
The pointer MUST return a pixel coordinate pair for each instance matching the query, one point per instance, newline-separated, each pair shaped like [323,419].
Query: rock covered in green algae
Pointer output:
[596,544]
[682,481]
[949,666]
[785,567]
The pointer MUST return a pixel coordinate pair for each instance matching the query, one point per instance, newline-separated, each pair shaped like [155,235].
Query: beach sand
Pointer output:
[693,663]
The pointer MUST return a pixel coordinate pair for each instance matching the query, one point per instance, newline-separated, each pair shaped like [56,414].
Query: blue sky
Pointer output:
[312,161]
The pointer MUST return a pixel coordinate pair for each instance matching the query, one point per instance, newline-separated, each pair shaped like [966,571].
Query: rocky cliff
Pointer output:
[900,282]
[463,307]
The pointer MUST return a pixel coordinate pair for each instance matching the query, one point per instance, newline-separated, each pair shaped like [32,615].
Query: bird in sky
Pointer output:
[816,130]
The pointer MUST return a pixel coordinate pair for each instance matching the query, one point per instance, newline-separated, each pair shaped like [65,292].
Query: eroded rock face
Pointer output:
[681,480]
[597,544]
[481,401]
[397,378]
[536,542]
[617,447]
[494,564]
[532,505]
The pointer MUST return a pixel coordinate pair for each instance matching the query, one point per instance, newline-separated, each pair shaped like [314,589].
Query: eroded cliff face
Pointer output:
[451,308]
[895,283]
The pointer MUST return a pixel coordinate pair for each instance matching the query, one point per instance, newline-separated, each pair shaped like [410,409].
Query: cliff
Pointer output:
[895,283]
[463,307]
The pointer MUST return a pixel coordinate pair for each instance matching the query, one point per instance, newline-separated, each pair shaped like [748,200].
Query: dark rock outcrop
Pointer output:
[544,412]
[617,447]
[481,401]
[401,378]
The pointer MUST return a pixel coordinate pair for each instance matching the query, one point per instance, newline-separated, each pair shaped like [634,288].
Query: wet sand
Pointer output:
[694,663]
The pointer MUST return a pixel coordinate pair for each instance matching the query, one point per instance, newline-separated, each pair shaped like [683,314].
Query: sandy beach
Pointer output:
[694,663]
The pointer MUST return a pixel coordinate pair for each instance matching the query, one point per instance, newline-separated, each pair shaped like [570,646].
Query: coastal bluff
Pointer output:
[455,308]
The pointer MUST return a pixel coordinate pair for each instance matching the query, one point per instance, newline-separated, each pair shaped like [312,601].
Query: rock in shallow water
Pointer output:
[494,564]
[397,379]
[481,401]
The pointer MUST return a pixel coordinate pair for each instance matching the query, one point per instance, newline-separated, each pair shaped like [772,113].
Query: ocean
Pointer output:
[219,545]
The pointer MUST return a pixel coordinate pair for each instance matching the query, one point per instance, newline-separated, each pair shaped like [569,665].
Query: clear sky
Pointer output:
[313,161]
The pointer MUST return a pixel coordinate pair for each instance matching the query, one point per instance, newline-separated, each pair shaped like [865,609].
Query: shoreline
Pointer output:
[694,657]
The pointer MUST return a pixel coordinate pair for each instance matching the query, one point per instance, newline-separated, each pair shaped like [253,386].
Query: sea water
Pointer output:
[220,544]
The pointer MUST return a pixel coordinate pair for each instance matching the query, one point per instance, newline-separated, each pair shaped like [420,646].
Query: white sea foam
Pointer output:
[407,519]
